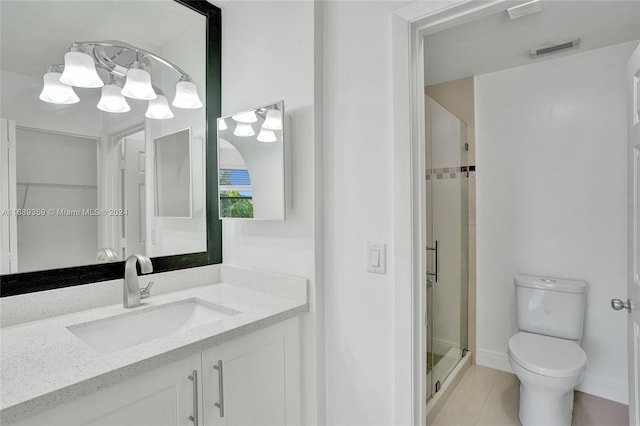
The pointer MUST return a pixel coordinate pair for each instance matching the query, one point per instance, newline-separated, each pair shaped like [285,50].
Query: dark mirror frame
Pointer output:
[29,282]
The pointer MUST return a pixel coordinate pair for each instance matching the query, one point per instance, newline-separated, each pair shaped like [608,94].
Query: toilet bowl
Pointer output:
[545,354]
[549,368]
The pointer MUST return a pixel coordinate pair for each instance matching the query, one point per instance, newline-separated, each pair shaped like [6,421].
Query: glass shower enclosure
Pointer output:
[447,196]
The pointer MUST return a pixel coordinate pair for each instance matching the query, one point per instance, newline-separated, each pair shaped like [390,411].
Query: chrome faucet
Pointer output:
[107,254]
[132,293]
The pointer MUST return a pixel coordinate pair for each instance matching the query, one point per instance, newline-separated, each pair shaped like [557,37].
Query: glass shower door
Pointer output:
[448,242]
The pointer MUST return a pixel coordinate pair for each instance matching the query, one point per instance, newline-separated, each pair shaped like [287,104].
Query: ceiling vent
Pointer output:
[554,47]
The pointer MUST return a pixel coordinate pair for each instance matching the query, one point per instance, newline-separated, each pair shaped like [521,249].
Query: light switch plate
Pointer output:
[376,258]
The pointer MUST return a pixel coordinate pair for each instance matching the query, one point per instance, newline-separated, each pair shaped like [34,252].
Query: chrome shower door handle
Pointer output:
[194,378]
[220,403]
[433,274]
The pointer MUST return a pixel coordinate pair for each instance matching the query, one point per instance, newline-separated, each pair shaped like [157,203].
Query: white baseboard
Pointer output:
[495,360]
[591,385]
[603,389]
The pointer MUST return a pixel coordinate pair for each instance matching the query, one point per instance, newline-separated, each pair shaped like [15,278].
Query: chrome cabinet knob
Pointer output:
[619,305]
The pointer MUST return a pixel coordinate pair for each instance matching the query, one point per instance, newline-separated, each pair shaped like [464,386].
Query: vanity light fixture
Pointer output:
[186,94]
[267,135]
[80,70]
[244,130]
[273,120]
[111,99]
[245,117]
[138,84]
[268,118]
[55,92]
[158,108]
[121,61]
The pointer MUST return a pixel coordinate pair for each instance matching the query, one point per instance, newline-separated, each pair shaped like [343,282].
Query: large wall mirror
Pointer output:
[106,150]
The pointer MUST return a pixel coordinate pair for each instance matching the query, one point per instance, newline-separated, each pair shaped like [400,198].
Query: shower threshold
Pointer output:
[435,402]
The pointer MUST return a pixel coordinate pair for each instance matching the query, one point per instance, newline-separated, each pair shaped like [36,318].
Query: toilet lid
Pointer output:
[547,356]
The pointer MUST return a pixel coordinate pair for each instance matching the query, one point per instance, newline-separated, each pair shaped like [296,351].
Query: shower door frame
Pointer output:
[410,24]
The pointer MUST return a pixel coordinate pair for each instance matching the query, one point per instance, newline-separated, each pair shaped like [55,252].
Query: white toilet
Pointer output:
[545,354]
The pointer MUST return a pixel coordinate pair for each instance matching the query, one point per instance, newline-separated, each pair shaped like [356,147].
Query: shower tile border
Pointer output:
[459,172]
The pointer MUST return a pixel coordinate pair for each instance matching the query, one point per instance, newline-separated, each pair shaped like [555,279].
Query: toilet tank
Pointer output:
[550,306]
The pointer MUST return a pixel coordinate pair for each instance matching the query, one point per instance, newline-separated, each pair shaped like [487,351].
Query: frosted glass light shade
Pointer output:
[55,92]
[267,135]
[273,120]
[244,130]
[245,117]
[80,71]
[138,85]
[222,124]
[112,100]
[158,109]
[187,95]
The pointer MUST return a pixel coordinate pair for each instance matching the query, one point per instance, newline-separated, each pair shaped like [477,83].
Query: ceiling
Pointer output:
[36,34]
[495,42]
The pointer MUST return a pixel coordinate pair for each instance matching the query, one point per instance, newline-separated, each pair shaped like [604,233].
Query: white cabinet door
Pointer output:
[255,379]
[162,397]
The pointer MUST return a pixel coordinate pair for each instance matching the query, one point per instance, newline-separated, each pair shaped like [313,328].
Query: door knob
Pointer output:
[619,305]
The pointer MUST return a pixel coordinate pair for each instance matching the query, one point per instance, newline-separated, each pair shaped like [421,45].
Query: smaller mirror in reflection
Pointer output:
[251,164]
[173,174]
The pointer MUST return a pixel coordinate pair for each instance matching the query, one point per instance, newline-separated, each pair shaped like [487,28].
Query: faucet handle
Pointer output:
[146,292]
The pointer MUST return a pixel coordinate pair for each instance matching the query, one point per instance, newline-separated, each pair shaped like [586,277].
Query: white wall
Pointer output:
[268,54]
[270,50]
[358,207]
[551,199]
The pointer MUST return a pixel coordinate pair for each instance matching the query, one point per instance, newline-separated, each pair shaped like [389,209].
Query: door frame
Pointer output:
[409,25]
[633,247]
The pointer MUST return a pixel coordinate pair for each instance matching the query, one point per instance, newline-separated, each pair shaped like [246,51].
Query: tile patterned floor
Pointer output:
[488,397]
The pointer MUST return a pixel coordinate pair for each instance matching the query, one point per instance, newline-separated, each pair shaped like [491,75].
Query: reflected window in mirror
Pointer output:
[105,148]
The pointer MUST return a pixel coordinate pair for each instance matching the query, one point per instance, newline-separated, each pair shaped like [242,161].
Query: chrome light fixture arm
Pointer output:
[110,65]
[133,66]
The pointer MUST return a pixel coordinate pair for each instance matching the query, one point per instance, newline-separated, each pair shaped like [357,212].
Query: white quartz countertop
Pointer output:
[44,364]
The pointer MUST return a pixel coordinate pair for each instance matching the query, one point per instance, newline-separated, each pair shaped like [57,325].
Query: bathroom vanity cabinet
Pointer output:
[260,380]
[259,384]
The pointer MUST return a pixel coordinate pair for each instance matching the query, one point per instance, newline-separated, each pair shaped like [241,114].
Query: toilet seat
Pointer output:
[547,356]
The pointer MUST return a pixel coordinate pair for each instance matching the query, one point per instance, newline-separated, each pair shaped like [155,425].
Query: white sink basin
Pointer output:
[129,329]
